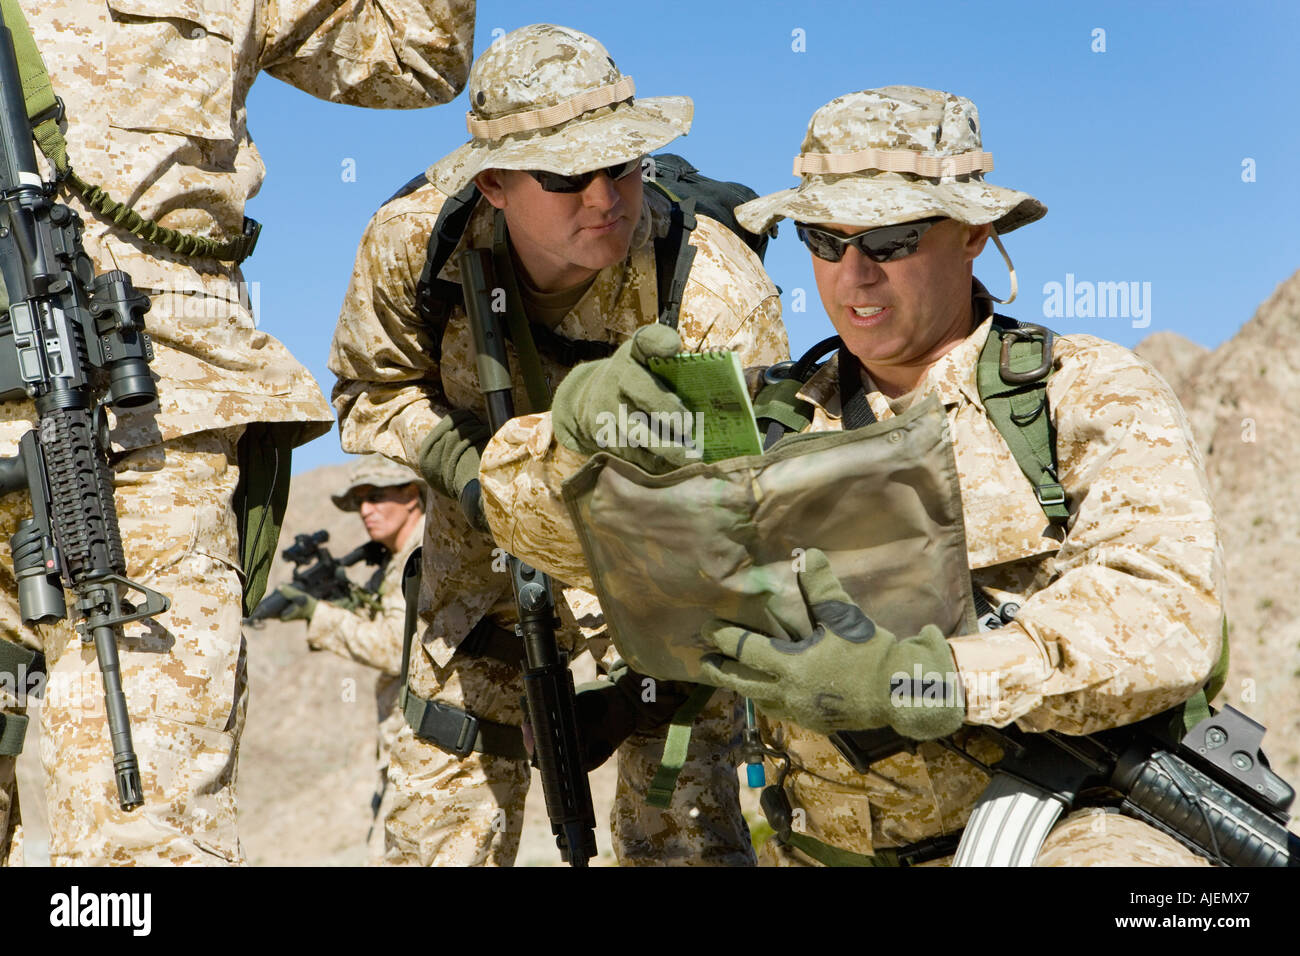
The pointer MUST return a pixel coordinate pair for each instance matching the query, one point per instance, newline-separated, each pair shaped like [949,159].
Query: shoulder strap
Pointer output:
[673,255]
[435,297]
[1012,375]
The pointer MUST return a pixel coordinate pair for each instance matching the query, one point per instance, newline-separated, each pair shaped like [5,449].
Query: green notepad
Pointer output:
[712,387]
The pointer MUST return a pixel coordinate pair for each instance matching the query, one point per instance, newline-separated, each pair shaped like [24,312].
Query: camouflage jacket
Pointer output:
[1119,619]
[392,391]
[371,639]
[155,94]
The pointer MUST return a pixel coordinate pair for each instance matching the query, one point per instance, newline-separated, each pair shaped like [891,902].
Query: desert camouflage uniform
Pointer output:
[391,393]
[375,641]
[1119,620]
[155,93]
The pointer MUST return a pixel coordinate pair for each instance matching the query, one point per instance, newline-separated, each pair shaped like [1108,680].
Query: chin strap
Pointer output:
[1010,268]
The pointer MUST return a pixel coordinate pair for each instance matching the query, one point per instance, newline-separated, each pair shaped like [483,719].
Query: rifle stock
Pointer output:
[548,683]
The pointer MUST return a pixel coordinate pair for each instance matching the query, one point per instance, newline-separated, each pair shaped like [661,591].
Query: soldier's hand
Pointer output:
[299,606]
[848,674]
[611,711]
[619,406]
[449,461]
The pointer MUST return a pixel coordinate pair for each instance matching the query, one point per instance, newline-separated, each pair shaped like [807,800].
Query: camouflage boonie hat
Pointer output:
[376,471]
[881,157]
[550,98]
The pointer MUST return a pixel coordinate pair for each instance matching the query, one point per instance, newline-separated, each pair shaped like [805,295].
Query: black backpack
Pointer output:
[687,190]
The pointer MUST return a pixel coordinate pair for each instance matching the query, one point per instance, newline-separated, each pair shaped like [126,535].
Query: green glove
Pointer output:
[449,460]
[594,406]
[848,674]
[301,605]
[611,711]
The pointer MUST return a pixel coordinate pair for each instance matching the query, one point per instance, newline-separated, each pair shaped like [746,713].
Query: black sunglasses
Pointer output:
[879,245]
[555,183]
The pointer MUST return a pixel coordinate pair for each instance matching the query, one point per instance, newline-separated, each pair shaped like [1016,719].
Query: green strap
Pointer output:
[1197,707]
[43,109]
[530,363]
[13,727]
[828,855]
[779,402]
[265,453]
[199,247]
[15,661]
[1219,675]
[1021,415]
[676,744]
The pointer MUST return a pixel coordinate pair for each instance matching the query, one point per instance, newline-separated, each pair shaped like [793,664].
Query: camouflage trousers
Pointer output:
[183,673]
[1089,837]
[449,810]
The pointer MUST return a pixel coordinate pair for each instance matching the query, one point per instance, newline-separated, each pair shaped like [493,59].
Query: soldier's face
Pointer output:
[388,512]
[563,239]
[898,317]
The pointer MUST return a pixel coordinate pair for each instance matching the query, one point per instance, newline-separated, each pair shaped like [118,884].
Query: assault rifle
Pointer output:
[1209,787]
[324,580]
[72,342]
[547,681]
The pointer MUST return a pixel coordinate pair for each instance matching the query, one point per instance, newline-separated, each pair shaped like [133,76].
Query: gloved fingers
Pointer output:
[719,671]
[656,340]
[818,582]
[465,423]
[766,655]
[829,605]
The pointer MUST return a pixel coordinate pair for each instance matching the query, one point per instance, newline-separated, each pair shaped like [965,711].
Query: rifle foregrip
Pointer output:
[81,495]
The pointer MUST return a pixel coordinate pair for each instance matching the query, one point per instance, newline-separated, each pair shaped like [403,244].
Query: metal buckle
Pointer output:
[1025,333]
[1059,500]
[56,112]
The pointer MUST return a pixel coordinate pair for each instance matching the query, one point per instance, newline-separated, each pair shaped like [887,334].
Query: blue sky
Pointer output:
[1167,159]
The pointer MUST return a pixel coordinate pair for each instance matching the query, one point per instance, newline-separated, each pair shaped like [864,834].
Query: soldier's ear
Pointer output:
[491,183]
[976,238]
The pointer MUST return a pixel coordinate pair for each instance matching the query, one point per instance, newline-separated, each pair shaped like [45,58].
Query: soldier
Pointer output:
[1111,554]
[153,98]
[390,501]
[557,149]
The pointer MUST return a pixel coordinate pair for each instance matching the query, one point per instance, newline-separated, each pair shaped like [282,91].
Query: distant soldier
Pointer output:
[152,113]
[558,140]
[390,500]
